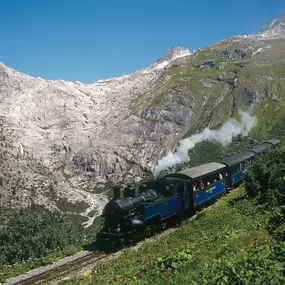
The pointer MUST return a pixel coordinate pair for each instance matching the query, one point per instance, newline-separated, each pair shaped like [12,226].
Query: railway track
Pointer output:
[61,271]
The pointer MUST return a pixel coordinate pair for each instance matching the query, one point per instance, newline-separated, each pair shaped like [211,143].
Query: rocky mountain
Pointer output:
[275,29]
[85,128]
[53,121]
[172,54]
[63,142]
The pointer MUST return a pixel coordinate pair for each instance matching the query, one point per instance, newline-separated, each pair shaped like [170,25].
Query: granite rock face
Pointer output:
[89,127]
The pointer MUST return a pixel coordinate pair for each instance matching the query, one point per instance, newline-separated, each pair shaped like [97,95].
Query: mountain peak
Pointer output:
[275,29]
[173,53]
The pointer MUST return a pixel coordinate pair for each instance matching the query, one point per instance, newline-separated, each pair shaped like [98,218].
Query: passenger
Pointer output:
[194,188]
[202,185]
[208,183]
[220,176]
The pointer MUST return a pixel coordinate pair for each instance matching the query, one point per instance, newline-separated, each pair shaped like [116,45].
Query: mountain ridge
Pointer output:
[115,130]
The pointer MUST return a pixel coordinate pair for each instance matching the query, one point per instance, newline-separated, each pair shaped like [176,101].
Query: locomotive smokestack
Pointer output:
[130,191]
[117,192]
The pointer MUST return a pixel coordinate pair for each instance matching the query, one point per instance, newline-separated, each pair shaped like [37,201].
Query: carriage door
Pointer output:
[183,197]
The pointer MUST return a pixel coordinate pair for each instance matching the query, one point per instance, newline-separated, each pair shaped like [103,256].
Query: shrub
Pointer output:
[266,179]
[30,235]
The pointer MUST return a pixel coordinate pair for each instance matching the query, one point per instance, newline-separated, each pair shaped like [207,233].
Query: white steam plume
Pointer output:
[224,135]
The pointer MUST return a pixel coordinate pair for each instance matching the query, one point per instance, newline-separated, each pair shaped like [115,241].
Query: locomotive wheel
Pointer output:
[118,244]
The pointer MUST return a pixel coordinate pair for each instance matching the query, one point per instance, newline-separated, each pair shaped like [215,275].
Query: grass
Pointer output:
[271,120]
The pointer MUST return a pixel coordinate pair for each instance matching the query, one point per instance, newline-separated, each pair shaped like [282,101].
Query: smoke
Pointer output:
[224,135]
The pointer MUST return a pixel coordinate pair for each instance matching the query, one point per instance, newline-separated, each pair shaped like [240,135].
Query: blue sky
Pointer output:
[89,40]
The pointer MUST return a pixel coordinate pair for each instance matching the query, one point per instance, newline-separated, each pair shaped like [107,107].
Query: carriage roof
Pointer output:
[274,142]
[237,157]
[198,171]
[258,149]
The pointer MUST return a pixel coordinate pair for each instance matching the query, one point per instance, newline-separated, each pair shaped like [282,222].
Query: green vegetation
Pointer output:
[266,180]
[30,239]
[260,81]
[29,235]
[271,119]
[238,240]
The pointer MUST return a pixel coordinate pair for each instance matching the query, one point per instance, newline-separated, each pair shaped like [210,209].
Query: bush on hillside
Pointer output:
[31,235]
[266,179]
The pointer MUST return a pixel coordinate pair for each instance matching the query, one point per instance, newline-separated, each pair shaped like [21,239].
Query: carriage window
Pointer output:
[217,177]
[199,184]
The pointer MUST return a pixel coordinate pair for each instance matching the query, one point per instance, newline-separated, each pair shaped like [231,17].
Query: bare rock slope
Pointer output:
[275,29]
[88,124]
[85,128]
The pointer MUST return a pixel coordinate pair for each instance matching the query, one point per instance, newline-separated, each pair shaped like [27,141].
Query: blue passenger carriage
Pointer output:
[262,148]
[237,165]
[206,181]
[273,142]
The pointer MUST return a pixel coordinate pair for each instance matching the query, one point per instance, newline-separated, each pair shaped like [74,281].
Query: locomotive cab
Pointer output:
[165,187]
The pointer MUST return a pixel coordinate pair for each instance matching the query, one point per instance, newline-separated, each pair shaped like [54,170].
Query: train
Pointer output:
[143,212]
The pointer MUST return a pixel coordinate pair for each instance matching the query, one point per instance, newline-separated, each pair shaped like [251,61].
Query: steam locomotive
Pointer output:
[139,214]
